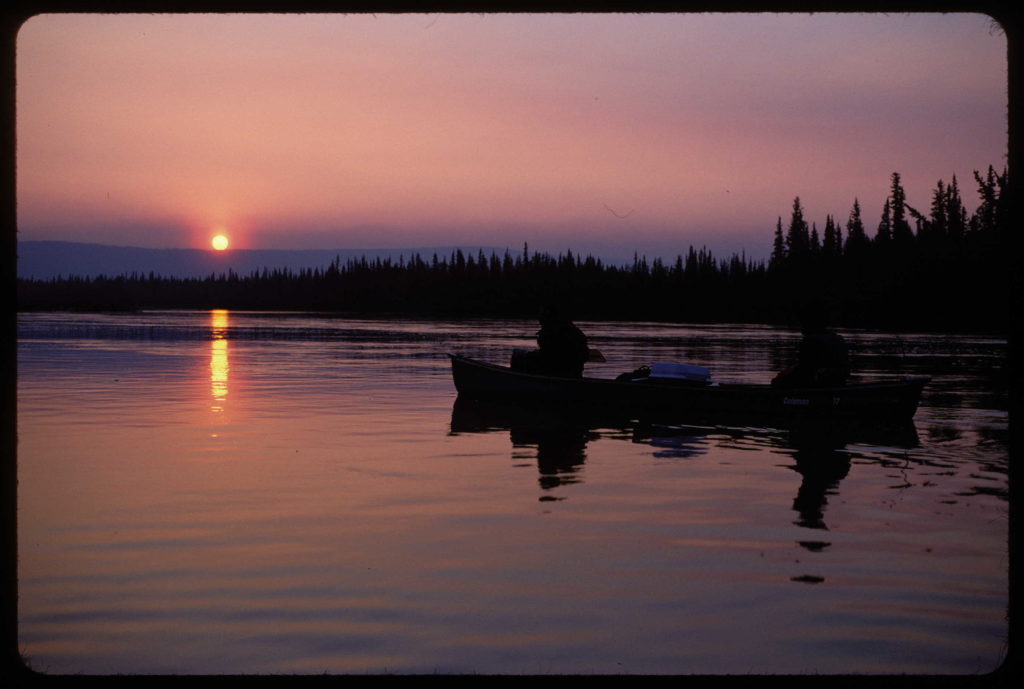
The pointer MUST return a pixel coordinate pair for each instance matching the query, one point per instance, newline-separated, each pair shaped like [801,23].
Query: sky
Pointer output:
[602,134]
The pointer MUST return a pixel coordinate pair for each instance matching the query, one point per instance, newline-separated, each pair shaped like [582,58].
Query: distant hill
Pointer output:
[48,259]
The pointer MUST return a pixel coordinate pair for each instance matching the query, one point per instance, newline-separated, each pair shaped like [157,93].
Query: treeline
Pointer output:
[459,284]
[938,268]
[941,269]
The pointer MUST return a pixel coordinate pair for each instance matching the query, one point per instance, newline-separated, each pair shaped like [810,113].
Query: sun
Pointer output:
[220,242]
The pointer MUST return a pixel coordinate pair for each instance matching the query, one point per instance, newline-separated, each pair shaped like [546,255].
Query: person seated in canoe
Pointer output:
[562,348]
[823,358]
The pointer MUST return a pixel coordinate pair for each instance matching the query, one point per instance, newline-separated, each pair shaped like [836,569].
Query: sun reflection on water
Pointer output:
[158,520]
[218,359]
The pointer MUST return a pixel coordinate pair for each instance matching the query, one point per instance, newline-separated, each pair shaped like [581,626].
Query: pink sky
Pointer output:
[596,133]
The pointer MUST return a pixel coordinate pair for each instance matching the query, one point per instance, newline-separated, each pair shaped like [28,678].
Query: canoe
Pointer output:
[893,401]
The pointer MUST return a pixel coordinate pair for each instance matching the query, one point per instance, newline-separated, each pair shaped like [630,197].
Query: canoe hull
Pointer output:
[894,401]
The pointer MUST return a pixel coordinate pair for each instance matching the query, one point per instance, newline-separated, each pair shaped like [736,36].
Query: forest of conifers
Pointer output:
[935,268]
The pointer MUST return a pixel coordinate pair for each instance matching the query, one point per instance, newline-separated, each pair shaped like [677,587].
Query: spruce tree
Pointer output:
[938,221]
[956,216]
[883,236]
[798,241]
[902,235]
[831,243]
[778,247]
[856,238]
[985,219]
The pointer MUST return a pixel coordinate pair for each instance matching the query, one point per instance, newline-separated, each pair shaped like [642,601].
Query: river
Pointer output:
[215,492]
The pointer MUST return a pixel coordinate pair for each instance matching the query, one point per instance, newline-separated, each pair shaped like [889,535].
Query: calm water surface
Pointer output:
[213,492]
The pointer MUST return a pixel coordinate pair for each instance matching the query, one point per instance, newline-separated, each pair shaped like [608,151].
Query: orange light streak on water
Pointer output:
[219,367]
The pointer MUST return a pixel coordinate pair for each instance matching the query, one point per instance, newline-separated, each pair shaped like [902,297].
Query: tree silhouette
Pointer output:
[778,257]
[857,240]
[798,240]
[953,273]
[902,235]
